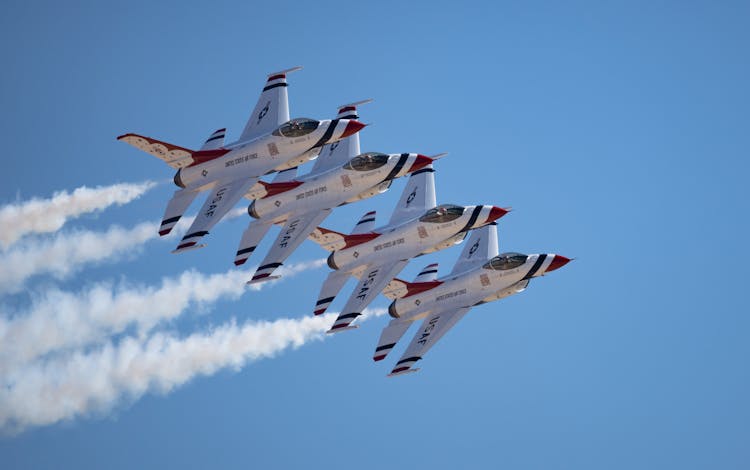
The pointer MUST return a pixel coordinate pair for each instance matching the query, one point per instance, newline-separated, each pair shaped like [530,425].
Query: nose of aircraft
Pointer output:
[352,127]
[420,163]
[557,262]
[496,213]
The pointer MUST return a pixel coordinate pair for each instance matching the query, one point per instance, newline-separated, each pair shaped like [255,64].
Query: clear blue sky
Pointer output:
[618,132]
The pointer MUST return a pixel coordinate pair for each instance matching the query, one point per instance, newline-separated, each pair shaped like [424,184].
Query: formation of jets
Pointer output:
[272,143]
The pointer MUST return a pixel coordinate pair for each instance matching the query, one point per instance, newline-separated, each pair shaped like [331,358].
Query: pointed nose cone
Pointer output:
[557,263]
[420,163]
[352,127]
[496,213]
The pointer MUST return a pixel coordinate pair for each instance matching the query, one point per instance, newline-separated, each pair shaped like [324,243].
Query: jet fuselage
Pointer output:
[414,237]
[261,155]
[334,187]
[478,285]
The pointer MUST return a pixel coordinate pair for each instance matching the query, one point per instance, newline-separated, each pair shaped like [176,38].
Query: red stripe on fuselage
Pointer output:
[413,288]
[203,156]
[273,189]
[358,239]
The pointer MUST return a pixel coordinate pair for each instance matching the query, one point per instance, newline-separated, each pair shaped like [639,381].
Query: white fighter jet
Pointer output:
[339,176]
[376,256]
[479,276]
[270,142]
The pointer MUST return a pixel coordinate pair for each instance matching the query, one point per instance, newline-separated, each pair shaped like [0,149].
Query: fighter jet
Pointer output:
[270,142]
[479,276]
[416,227]
[340,175]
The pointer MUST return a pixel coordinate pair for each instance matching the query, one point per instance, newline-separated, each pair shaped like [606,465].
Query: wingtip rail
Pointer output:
[356,103]
[188,248]
[403,372]
[259,280]
[284,72]
[343,328]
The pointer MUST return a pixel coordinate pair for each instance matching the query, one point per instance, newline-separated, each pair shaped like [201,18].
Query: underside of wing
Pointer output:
[251,237]
[173,155]
[328,291]
[176,207]
[390,335]
[221,199]
[434,327]
[373,280]
[292,234]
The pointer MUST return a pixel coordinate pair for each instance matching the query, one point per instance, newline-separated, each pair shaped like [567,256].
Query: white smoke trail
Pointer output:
[61,320]
[80,383]
[66,253]
[49,215]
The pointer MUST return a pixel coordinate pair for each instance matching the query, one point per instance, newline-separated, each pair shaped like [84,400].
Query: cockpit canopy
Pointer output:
[443,213]
[297,127]
[367,161]
[506,261]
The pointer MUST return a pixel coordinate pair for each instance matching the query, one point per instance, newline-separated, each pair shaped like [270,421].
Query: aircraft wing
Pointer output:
[433,328]
[272,108]
[373,280]
[222,198]
[173,155]
[251,237]
[481,246]
[293,233]
[418,196]
[176,207]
